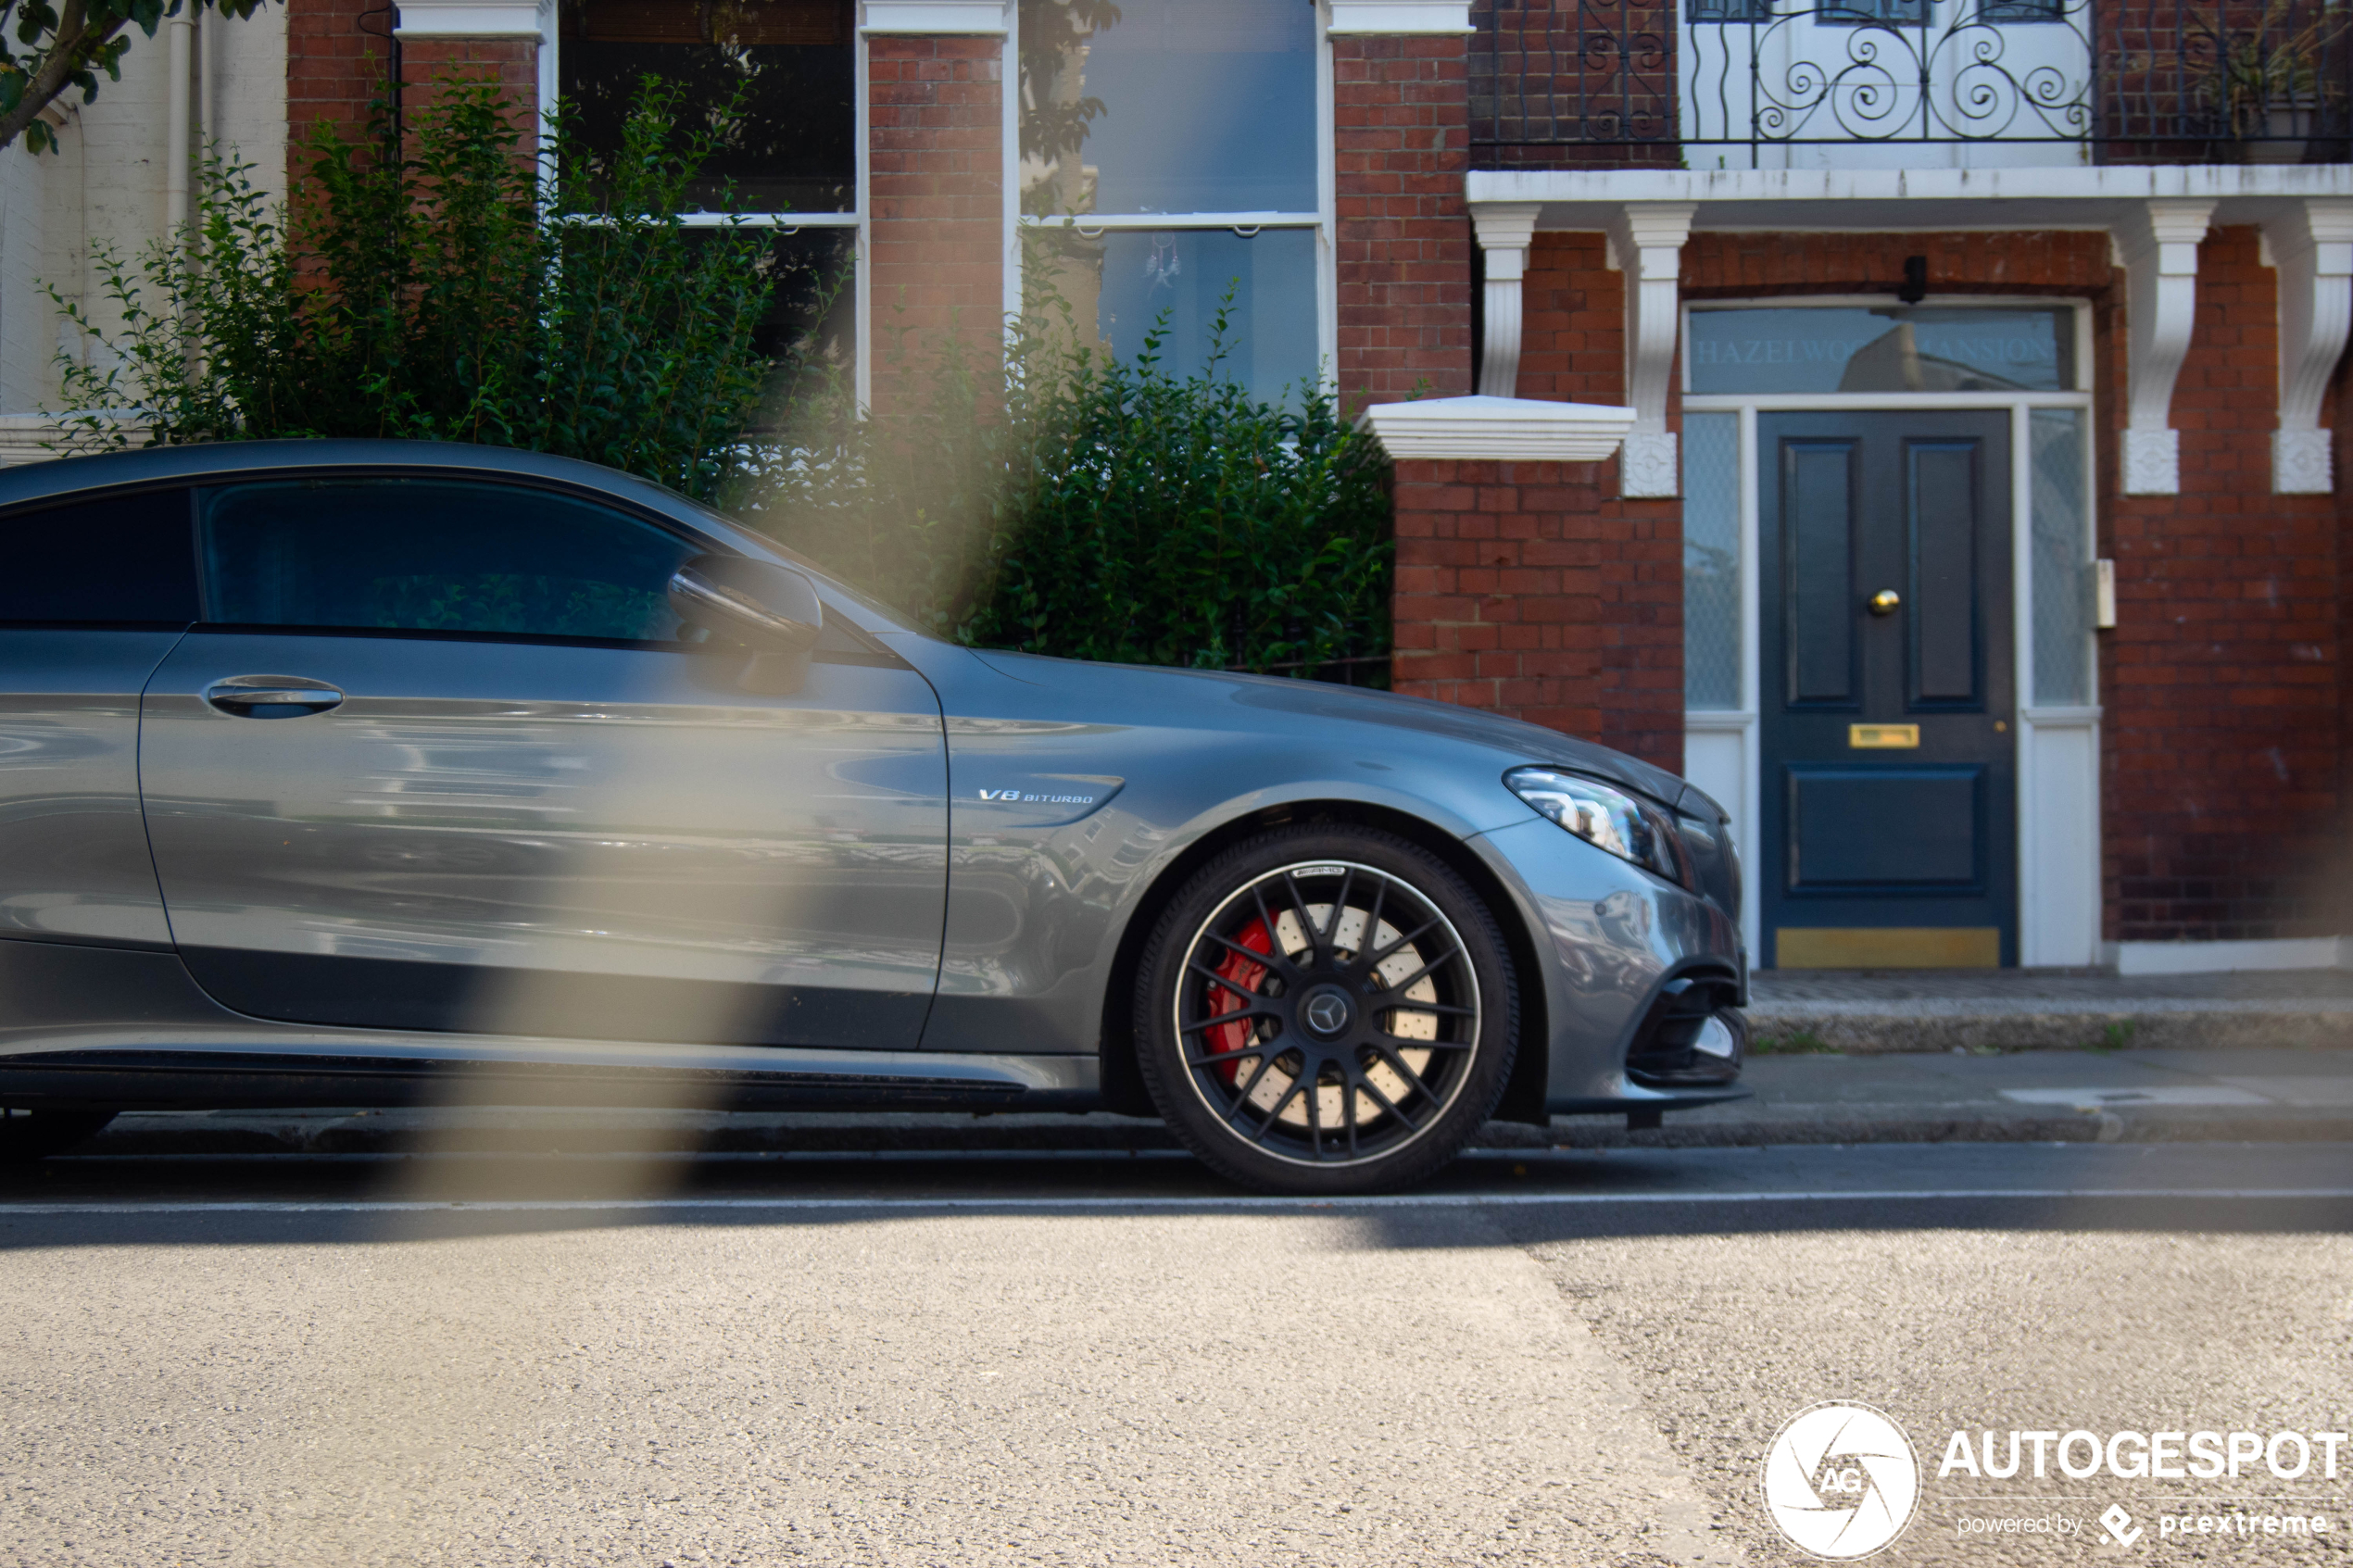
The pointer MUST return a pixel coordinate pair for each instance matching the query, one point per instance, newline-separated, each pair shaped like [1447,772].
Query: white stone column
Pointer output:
[1505,231]
[2158,245]
[2311,246]
[1646,243]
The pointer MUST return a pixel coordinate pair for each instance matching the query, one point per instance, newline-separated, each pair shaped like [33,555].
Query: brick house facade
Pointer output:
[1494,208]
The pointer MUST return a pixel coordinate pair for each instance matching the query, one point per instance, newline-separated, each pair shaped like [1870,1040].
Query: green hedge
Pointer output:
[447,293]
[1094,507]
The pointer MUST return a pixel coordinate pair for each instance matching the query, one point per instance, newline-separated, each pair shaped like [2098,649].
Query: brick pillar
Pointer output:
[513,63]
[935,195]
[2221,682]
[333,69]
[1525,588]
[1402,133]
[336,67]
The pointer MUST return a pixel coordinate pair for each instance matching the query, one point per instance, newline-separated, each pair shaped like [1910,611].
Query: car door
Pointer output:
[94,591]
[438,759]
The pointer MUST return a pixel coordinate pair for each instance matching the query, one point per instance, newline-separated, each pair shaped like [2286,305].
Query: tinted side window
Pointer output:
[433,555]
[114,560]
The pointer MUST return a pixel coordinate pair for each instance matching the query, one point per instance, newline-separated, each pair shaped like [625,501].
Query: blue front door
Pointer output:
[1888,690]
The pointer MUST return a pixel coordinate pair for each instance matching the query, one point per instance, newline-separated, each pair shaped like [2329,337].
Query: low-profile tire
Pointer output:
[1293,1055]
[39,1132]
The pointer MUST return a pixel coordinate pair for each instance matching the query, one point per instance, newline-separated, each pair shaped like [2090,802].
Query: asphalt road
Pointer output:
[1564,1358]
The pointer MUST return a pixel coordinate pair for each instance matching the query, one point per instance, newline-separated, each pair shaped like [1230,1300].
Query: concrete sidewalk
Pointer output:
[2026,1010]
[2245,1094]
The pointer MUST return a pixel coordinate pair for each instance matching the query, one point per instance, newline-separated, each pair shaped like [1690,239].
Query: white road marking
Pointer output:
[2092,1099]
[1210,1204]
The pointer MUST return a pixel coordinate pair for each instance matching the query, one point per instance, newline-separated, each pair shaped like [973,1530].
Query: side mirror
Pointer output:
[768,611]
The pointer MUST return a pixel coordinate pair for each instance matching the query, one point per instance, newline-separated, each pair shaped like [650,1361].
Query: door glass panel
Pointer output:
[1818,560]
[434,555]
[1943,587]
[2062,551]
[1711,560]
[118,561]
[1883,348]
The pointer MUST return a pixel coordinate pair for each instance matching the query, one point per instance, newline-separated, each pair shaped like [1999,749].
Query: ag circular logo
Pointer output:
[1840,1480]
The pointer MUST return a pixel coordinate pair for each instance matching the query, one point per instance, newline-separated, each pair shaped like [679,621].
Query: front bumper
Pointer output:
[1631,967]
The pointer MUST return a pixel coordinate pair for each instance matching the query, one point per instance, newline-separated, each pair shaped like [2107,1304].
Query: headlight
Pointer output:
[1603,816]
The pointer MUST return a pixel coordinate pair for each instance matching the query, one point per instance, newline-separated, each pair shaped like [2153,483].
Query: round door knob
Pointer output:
[1886,602]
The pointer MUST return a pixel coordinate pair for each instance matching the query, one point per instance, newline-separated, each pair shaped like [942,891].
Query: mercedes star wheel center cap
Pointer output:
[1325,1011]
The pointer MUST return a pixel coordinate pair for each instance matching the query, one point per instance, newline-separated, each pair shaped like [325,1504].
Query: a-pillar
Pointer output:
[1513,562]
[934,269]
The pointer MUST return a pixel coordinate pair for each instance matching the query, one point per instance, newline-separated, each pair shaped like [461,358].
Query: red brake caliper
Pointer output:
[1224,1038]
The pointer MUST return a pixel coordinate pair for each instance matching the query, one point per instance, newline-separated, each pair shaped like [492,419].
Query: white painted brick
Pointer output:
[107,184]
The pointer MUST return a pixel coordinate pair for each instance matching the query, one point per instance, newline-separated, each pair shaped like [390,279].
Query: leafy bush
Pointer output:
[1092,507]
[449,293]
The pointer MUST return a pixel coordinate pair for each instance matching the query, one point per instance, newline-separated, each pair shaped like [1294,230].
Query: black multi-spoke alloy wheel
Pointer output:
[34,1134]
[1326,1009]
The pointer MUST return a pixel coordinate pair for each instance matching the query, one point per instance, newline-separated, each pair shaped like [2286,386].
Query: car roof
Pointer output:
[225,460]
[58,479]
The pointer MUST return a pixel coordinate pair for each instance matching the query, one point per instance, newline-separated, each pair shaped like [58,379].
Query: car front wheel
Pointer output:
[1325,1011]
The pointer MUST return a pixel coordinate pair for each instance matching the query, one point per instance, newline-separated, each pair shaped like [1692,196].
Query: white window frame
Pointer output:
[2059,748]
[1323,221]
[550,86]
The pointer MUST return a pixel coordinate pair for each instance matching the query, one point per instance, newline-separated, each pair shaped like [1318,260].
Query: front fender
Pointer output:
[1608,937]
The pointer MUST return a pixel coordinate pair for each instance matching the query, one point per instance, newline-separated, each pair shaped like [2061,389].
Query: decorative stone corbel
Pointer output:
[2312,244]
[1646,243]
[1504,230]
[2159,246]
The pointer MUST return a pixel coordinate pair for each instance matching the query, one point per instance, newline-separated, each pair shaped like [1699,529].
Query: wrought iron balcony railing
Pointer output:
[1745,83]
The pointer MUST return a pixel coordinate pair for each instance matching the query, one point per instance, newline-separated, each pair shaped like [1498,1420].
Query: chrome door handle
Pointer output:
[293,696]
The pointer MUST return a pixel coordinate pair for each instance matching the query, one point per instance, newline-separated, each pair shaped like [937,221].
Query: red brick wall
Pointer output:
[1534,589]
[1572,345]
[1523,588]
[2341,440]
[511,62]
[333,69]
[1749,265]
[2337,871]
[938,195]
[1401,135]
[2228,779]
[2223,730]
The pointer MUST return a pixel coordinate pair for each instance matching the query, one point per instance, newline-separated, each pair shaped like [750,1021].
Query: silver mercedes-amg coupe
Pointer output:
[353,774]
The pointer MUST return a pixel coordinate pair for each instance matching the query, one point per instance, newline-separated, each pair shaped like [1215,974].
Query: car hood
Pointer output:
[1519,742]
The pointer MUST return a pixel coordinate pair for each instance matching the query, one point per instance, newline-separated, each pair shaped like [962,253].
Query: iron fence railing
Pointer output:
[1571,82]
